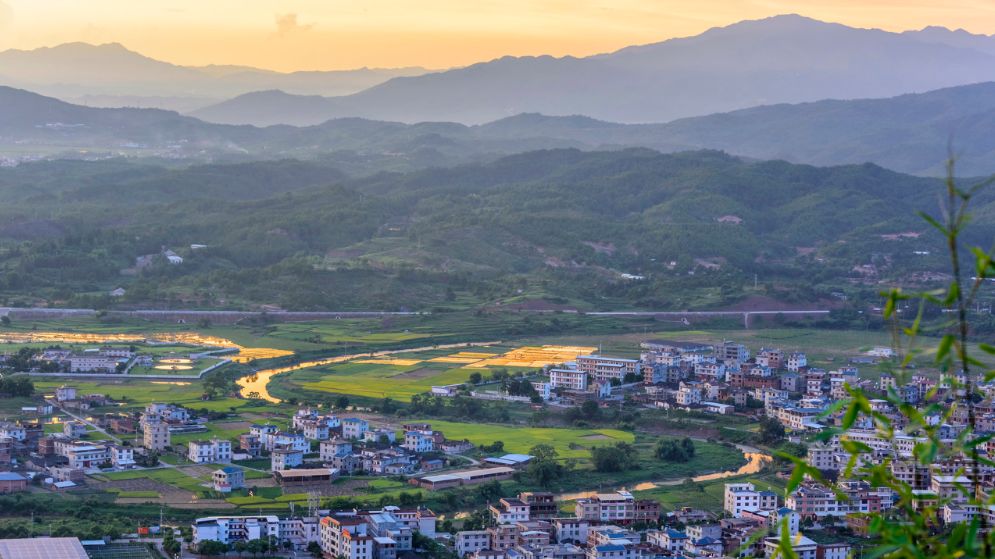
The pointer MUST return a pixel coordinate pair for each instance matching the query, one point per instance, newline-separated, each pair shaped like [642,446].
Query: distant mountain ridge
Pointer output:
[909,133]
[111,75]
[782,59]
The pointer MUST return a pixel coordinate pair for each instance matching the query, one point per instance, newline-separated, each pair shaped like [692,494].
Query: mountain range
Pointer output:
[110,75]
[909,133]
[783,59]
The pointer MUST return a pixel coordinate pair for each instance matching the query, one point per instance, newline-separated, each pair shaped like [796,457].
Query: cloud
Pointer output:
[6,15]
[287,24]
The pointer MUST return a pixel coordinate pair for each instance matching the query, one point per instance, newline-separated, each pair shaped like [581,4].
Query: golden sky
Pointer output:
[337,34]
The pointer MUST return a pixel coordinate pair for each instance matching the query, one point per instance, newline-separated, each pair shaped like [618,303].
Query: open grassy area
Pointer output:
[706,495]
[569,443]
[169,476]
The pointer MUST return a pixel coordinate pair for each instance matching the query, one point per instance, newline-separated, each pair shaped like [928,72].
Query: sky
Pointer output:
[289,35]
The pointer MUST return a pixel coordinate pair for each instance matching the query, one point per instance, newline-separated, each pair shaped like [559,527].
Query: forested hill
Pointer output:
[597,229]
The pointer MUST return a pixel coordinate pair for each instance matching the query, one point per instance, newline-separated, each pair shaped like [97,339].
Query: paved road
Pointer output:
[91,424]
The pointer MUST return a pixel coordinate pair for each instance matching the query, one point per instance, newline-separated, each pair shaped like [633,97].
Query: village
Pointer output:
[313,449]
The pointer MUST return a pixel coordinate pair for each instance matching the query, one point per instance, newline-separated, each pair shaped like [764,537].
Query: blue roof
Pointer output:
[11,476]
[671,533]
[610,547]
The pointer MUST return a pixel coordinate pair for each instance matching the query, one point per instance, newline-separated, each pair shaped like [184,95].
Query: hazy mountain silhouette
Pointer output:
[783,59]
[908,133]
[112,75]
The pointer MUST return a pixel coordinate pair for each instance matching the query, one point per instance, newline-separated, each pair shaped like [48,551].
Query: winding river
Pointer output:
[256,383]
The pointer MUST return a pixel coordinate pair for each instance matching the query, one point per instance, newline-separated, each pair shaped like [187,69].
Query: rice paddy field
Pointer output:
[404,375]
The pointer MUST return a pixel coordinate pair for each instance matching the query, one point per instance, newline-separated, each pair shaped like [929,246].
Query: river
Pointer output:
[258,381]
[755,460]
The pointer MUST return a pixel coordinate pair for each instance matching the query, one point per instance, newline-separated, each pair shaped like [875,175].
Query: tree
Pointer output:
[476,378]
[342,402]
[211,548]
[675,451]
[314,549]
[544,468]
[590,409]
[771,431]
[616,458]
[913,528]
[5,320]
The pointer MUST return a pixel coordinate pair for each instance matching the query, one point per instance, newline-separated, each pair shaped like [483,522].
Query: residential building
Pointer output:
[740,497]
[569,379]
[471,541]
[214,451]
[230,529]
[609,368]
[285,459]
[419,441]
[228,479]
[353,428]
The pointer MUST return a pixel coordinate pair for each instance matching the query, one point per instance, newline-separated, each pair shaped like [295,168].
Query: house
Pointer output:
[11,482]
[13,431]
[208,452]
[804,548]
[509,511]
[87,456]
[65,393]
[570,379]
[471,541]
[118,292]
[745,496]
[334,448]
[155,435]
[609,368]
[250,444]
[122,456]
[285,459]
[419,441]
[228,479]
[353,428]
[377,436]
[229,529]
[74,429]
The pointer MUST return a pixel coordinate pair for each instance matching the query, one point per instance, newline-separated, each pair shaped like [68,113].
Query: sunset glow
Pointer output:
[335,34]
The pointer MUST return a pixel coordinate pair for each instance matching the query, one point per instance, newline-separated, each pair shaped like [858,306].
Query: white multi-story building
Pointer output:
[65,393]
[334,448]
[471,541]
[230,529]
[285,459]
[570,379]
[608,368]
[797,362]
[122,456]
[353,428]
[279,439]
[82,457]
[13,431]
[689,394]
[419,441]
[346,537]
[740,497]
[214,451]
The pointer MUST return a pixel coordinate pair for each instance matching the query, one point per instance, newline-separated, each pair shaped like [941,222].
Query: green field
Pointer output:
[706,495]
[379,381]
[169,476]
[569,443]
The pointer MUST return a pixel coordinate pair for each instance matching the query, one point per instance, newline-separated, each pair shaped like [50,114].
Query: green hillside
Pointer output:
[632,228]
